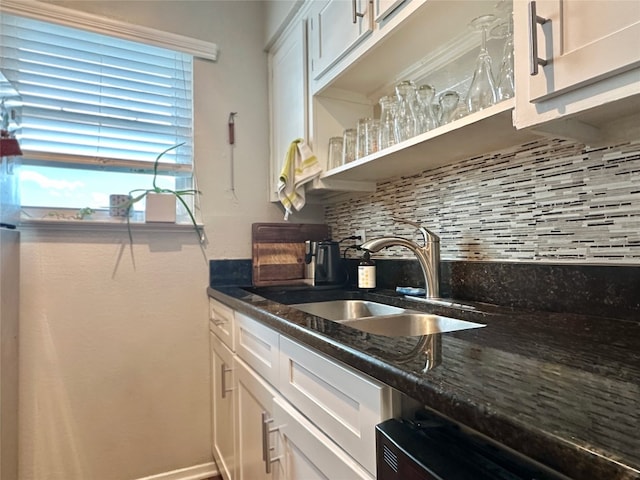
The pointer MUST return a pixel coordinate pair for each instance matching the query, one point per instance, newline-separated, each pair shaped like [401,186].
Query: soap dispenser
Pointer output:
[367,272]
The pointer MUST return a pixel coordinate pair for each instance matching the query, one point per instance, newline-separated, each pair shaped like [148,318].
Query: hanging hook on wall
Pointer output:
[232,142]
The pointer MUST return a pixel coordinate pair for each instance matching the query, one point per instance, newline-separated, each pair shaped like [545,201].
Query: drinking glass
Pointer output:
[373,130]
[335,152]
[505,80]
[386,134]
[405,120]
[361,138]
[482,92]
[349,145]
[426,117]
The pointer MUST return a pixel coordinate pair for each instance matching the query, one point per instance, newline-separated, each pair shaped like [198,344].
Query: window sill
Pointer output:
[99,220]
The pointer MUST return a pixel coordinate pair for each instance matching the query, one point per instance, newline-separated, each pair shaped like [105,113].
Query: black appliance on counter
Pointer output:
[432,448]
[323,264]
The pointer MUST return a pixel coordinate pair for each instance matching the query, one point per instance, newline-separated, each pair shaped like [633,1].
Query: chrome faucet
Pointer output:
[428,256]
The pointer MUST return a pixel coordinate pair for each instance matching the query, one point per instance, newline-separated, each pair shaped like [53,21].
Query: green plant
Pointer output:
[140,193]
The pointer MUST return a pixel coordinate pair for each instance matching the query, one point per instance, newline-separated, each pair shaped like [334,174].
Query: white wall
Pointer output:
[276,14]
[114,376]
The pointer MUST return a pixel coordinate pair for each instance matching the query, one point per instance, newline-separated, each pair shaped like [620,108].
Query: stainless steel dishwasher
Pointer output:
[429,447]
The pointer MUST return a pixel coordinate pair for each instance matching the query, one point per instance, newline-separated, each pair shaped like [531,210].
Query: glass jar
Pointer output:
[335,153]
[405,119]
[387,133]
[349,145]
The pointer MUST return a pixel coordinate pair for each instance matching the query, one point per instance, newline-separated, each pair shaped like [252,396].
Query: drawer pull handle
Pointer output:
[266,442]
[355,11]
[534,20]
[223,381]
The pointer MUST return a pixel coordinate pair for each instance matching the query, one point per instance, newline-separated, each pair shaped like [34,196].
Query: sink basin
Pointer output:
[410,324]
[381,319]
[338,310]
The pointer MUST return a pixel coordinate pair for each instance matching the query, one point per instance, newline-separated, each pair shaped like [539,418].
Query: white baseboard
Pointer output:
[197,472]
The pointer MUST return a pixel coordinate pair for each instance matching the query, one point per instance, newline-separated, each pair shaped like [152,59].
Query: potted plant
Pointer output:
[158,198]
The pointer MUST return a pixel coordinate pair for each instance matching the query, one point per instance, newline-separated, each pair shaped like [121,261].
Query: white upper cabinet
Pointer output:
[335,28]
[589,58]
[288,96]
[588,90]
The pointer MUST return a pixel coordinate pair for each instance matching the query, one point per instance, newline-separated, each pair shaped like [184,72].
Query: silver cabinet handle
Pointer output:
[266,443]
[534,20]
[355,11]
[223,382]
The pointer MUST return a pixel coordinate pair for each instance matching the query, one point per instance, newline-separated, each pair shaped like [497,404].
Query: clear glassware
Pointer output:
[437,112]
[460,111]
[448,104]
[373,130]
[426,117]
[361,137]
[405,120]
[335,152]
[482,91]
[505,80]
[349,145]
[386,133]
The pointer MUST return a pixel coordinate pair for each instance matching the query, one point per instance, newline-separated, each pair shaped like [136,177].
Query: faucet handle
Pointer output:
[427,235]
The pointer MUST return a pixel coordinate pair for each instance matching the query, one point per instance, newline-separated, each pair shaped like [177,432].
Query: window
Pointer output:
[96,112]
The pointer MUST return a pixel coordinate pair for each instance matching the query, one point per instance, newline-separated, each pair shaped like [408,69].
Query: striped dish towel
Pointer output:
[300,166]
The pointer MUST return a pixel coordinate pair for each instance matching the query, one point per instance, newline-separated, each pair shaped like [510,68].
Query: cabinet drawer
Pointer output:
[344,404]
[221,322]
[257,345]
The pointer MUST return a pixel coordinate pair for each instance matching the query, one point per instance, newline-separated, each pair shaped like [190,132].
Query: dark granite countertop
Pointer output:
[560,388]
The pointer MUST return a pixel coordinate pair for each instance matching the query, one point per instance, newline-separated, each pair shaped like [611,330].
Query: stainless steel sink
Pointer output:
[338,310]
[381,319]
[410,324]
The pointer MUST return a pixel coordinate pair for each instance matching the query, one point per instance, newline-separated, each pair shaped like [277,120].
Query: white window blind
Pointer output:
[97,110]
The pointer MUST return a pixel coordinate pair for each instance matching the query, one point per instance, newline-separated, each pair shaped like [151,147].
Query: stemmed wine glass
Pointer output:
[482,91]
[505,80]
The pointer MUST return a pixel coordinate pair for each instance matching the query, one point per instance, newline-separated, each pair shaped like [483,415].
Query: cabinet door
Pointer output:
[254,419]
[585,41]
[288,92]
[588,49]
[307,453]
[334,33]
[222,407]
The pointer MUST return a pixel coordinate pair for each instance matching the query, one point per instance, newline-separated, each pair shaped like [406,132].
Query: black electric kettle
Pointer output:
[323,260]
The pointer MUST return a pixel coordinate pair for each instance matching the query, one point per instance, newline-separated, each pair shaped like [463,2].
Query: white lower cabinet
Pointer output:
[223,407]
[308,454]
[283,411]
[257,446]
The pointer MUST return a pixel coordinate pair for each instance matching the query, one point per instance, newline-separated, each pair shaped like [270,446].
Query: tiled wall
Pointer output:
[551,200]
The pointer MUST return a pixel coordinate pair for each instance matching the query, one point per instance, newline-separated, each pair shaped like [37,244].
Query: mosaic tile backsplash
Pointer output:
[550,200]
